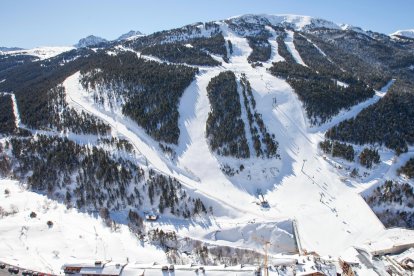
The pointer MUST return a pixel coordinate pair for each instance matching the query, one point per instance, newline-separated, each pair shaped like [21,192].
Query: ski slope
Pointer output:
[314,196]
[329,214]
[291,48]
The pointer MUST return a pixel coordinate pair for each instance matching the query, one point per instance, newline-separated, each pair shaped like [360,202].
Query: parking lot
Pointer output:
[5,271]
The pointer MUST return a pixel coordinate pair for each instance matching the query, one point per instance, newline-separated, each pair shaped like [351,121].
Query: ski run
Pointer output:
[311,207]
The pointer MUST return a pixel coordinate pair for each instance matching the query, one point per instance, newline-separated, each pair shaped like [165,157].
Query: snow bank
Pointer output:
[74,236]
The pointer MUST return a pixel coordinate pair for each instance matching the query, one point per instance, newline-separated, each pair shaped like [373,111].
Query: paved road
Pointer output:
[4,272]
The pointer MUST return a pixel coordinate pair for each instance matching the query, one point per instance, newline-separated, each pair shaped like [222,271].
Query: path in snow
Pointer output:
[16,111]
[291,47]
[314,196]
[274,57]
[353,111]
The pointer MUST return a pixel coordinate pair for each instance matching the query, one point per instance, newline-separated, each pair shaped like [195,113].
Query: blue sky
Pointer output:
[30,23]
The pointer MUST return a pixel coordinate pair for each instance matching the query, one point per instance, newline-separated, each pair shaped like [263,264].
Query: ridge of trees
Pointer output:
[261,49]
[393,203]
[282,48]
[338,149]
[388,122]
[31,83]
[151,90]
[214,44]
[224,127]
[7,119]
[92,178]
[179,53]
[322,97]
[264,143]
[368,157]
[350,62]
[407,169]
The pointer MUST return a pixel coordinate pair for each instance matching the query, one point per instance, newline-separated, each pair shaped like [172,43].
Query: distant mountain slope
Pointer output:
[8,49]
[404,33]
[42,52]
[130,35]
[90,40]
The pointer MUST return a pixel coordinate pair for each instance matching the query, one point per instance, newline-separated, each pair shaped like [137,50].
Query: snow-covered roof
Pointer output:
[361,261]
[107,269]
[392,240]
[350,256]
[84,264]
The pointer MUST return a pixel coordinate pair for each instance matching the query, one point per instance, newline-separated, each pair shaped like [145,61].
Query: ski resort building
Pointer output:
[97,268]
[392,241]
[151,217]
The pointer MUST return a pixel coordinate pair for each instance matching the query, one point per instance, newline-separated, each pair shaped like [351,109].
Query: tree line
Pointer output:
[91,178]
[387,122]
[225,128]
[151,90]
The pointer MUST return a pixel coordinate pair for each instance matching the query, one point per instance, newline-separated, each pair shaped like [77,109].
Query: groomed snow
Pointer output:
[275,57]
[291,48]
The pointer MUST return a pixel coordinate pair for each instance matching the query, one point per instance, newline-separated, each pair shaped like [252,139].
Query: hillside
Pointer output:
[257,127]
[403,33]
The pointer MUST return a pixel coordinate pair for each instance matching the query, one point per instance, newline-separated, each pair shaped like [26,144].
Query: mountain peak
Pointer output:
[130,34]
[90,40]
[406,33]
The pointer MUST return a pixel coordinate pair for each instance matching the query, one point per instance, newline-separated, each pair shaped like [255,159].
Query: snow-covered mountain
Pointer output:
[298,22]
[130,35]
[352,28]
[405,33]
[42,52]
[90,40]
[211,140]
[8,49]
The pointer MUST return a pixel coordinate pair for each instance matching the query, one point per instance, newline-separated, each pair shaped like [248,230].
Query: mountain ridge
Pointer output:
[90,40]
[405,33]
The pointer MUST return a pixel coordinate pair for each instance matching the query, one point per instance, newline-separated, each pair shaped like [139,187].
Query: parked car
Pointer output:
[2,266]
[14,270]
